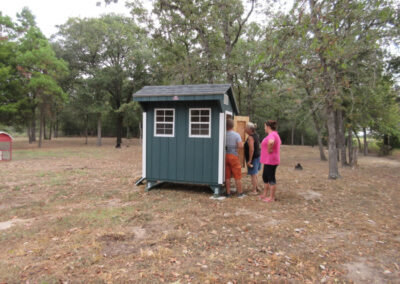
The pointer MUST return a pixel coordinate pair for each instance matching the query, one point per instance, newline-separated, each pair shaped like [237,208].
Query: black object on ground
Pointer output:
[298,167]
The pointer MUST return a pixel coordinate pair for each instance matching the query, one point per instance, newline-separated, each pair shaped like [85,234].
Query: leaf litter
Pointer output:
[88,222]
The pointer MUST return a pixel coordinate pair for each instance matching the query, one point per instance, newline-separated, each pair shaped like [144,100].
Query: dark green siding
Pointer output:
[182,158]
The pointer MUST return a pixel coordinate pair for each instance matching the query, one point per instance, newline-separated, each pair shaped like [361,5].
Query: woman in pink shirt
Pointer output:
[270,157]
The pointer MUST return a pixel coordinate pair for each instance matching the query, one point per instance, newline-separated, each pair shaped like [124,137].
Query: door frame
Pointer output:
[222,145]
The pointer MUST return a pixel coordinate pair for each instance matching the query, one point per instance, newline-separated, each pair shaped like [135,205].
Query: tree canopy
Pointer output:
[323,70]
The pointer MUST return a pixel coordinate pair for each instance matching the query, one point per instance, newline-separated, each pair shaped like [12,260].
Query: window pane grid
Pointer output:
[164,122]
[200,122]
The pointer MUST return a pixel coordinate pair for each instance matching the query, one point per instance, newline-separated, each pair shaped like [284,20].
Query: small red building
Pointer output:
[5,146]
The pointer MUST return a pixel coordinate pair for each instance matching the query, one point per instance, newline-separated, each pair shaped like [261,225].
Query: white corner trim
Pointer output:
[144,122]
[221,150]
[228,112]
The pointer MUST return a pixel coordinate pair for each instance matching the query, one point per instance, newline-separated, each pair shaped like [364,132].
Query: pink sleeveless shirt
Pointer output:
[274,157]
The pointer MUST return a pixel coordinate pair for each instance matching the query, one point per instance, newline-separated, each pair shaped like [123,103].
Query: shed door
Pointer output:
[240,127]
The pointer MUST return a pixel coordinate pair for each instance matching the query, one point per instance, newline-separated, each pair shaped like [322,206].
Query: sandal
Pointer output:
[267,200]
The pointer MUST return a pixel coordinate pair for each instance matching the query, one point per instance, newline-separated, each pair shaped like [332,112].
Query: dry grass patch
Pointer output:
[81,219]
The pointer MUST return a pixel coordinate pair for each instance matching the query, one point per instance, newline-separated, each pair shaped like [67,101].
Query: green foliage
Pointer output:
[109,58]
[131,113]
[29,71]
[298,67]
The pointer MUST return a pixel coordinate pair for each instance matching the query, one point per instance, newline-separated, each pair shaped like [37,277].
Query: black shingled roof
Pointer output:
[188,90]
[181,90]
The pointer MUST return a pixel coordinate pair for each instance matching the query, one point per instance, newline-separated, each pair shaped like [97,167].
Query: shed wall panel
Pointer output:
[182,158]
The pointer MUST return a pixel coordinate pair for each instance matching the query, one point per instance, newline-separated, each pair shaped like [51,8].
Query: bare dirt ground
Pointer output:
[70,212]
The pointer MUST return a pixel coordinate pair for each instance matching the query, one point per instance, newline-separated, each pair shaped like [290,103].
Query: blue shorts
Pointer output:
[256,167]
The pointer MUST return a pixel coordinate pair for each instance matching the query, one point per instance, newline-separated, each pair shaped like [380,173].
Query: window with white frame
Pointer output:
[164,120]
[200,122]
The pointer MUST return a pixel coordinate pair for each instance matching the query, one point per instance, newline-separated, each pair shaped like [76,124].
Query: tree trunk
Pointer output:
[239,92]
[386,145]
[343,151]
[50,130]
[29,132]
[319,137]
[33,127]
[365,142]
[329,99]
[239,98]
[292,136]
[321,146]
[341,138]
[56,129]
[358,140]
[355,158]
[98,143]
[337,136]
[333,162]
[44,128]
[41,126]
[249,99]
[119,130]
[302,139]
[86,129]
[350,147]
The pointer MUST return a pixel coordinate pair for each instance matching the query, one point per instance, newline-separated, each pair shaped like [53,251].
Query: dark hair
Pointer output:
[229,124]
[271,123]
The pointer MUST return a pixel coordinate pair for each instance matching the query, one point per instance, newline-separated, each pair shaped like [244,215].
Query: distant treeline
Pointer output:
[322,70]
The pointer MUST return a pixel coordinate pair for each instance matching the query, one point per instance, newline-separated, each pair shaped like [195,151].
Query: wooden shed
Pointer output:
[184,133]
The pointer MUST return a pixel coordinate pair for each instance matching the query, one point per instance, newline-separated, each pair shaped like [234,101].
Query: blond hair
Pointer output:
[252,126]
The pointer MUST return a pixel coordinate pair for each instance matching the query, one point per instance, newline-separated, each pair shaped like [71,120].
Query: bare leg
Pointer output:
[228,186]
[266,190]
[239,185]
[273,189]
[254,181]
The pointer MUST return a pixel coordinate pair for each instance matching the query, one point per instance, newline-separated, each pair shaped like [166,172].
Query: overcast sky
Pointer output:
[50,13]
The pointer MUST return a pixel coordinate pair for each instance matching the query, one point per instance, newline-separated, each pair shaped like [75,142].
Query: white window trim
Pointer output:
[173,123]
[209,123]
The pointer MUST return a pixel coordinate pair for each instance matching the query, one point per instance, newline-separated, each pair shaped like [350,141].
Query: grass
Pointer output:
[45,154]
[81,219]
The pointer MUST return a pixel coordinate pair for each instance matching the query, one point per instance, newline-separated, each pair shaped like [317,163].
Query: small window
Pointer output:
[200,122]
[164,120]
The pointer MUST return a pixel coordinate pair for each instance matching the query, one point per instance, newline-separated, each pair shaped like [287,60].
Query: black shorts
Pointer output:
[269,174]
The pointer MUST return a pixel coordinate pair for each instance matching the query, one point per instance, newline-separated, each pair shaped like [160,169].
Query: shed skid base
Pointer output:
[151,184]
[140,181]
[217,189]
